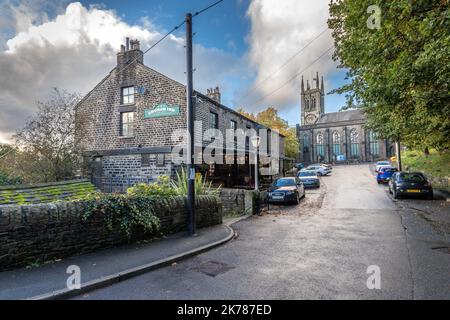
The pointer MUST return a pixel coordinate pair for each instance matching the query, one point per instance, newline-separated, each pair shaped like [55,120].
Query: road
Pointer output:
[320,249]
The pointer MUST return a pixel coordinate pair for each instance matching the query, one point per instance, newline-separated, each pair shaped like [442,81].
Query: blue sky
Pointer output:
[238,43]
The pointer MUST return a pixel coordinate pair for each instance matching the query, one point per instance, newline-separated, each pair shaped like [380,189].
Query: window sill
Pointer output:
[126,137]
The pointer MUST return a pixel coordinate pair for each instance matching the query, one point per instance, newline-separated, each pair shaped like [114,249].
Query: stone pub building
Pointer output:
[124,127]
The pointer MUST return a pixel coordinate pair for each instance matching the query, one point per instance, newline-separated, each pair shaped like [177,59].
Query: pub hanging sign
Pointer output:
[161,110]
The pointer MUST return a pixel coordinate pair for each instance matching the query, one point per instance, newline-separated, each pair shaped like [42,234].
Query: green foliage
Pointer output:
[160,188]
[436,164]
[6,180]
[202,187]
[272,120]
[399,73]
[128,211]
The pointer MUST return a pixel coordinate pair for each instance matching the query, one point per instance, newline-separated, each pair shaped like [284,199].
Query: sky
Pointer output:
[242,46]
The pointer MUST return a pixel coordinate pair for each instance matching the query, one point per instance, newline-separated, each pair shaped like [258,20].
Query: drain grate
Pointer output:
[213,268]
[442,249]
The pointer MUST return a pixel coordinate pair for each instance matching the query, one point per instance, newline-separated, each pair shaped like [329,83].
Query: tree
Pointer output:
[47,141]
[398,72]
[272,120]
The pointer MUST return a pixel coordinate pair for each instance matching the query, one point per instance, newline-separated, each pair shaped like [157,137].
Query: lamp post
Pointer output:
[255,143]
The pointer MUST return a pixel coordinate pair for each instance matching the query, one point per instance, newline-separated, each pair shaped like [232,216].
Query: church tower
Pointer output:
[312,101]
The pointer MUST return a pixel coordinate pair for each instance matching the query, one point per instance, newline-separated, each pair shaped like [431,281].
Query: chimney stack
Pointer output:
[130,52]
[214,94]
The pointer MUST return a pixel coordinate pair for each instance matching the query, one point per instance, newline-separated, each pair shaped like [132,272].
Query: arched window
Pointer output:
[313,103]
[305,140]
[354,144]
[319,145]
[373,144]
[306,104]
[336,143]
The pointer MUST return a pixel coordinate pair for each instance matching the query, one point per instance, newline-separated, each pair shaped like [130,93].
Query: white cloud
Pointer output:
[77,48]
[279,29]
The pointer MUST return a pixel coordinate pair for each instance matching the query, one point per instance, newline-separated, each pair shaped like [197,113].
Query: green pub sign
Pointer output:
[161,110]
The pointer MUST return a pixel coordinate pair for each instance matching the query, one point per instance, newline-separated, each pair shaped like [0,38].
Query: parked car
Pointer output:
[319,170]
[381,164]
[299,166]
[385,174]
[309,179]
[410,184]
[284,190]
[325,165]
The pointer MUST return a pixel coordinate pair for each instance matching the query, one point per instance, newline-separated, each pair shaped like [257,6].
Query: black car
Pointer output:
[410,184]
[285,190]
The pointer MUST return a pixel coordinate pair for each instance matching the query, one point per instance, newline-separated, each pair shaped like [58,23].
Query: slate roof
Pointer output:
[340,116]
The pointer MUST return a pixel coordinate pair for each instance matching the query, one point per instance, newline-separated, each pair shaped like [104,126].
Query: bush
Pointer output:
[129,211]
[202,187]
[6,180]
[160,188]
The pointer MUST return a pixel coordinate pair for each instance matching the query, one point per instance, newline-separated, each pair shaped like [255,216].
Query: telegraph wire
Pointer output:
[207,8]
[252,88]
[292,78]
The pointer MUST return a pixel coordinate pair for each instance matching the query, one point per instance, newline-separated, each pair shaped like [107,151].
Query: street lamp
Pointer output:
[255,143]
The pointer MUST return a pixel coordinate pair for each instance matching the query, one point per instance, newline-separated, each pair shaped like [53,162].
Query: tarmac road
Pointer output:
[320,249]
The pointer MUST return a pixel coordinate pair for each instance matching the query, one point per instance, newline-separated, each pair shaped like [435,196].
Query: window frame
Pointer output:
[214,125]
[129,124]
[128,95]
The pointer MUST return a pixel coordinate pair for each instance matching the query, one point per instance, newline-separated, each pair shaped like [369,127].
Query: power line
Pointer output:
[287,61]
[207,8]
[293,78]
[153,45]
[168,33]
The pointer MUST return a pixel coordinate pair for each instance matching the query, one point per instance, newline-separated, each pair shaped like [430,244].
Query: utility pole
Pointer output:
[399,156]
[190,129]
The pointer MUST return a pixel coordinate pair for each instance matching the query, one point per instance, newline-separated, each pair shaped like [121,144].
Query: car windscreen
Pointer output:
[411,177]
[306,174]
[284,183]
[383,163]
[388,169]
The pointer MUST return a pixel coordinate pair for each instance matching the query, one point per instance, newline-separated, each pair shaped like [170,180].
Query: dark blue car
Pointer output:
[385,174]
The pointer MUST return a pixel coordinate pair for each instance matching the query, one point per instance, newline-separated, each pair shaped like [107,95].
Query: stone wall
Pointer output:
[37,233]
[241,201]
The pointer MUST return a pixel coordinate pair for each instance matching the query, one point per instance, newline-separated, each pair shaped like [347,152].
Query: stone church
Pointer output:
[336,136]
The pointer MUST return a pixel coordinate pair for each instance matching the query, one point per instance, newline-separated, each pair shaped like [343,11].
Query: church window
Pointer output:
[373,144]
[320,152]
[354,144]
[336,143]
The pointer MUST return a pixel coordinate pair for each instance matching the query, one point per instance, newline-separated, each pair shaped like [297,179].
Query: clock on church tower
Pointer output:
[310,118]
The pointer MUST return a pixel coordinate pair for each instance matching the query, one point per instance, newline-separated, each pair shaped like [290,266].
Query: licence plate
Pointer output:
[413,190]
[277,197]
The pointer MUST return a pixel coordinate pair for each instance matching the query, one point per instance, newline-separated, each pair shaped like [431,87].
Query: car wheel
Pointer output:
[297,199]
[430,196]
[379,182]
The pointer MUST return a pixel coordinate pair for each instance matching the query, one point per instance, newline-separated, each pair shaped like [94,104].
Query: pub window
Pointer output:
[160,157]
[233,124]
[127,124]
[128,95]
[145,160]
[213,120]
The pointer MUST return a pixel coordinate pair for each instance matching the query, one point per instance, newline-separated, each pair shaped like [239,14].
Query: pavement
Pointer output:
[324,248]
[108,266]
